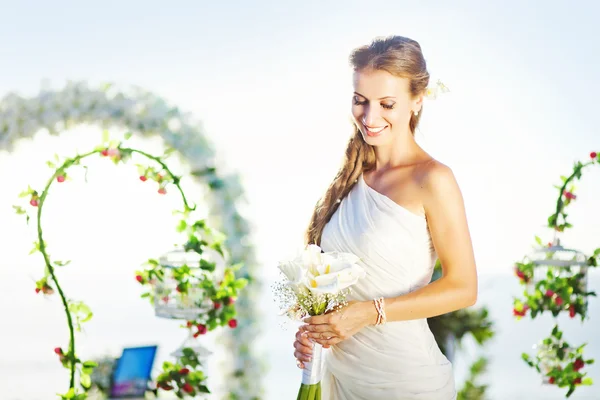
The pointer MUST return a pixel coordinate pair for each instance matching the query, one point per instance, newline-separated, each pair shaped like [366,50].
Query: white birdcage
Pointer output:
[549,359]
[169,302]
[189,305]
[560,262]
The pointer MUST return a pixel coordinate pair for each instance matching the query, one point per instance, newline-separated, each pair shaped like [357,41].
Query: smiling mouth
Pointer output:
[373,131]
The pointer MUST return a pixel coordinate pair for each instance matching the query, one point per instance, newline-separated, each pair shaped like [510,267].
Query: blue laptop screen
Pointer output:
[132,373]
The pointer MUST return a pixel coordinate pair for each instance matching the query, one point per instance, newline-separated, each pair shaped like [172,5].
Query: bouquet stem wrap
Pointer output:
[312,375]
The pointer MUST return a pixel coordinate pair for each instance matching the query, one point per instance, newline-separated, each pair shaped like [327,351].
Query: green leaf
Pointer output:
[182,226]
[203,389]
[62,263]
[105,136]
[36,247]
[207,266]
[19,210]
[27,192]
[128,135]
[86,381]
[587,381]
[50,164]
[241,283]
[538,240]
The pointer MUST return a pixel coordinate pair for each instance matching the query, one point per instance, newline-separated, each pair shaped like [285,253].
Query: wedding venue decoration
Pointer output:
[555,281]
[146,114]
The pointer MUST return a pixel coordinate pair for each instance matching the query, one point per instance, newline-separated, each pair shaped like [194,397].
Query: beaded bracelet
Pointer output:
[380,307]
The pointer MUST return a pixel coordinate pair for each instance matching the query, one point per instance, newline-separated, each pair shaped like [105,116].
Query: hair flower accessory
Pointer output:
[433,92]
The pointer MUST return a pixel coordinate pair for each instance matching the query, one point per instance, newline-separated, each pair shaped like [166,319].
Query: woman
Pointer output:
[399,210]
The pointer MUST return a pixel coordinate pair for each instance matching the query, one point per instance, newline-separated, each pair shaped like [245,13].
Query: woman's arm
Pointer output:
[456,289]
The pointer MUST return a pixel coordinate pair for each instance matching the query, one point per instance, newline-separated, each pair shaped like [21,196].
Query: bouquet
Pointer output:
[315,283]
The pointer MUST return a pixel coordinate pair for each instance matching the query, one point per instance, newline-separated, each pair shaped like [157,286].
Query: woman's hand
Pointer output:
[302,348]
[332,328]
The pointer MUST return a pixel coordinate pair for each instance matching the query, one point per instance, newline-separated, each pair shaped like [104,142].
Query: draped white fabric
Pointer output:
[397,360]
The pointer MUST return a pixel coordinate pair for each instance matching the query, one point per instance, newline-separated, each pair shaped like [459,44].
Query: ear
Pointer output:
[418,102]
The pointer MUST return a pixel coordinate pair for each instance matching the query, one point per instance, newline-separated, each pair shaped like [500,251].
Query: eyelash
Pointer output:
[362,103]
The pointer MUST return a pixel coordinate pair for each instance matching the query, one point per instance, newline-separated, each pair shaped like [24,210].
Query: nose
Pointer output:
[370,116]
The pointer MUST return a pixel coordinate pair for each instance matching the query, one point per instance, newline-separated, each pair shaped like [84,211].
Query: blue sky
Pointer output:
[270,82]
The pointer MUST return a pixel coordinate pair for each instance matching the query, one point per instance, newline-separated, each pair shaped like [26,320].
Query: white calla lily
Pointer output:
[337,272]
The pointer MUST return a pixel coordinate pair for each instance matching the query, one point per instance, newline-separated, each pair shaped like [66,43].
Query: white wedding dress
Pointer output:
[398,360]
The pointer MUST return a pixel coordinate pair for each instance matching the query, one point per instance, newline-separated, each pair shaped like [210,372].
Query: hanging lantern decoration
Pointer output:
[561,274]
[186,289]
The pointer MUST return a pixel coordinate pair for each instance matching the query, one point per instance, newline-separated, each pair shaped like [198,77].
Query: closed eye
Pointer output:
[358,102]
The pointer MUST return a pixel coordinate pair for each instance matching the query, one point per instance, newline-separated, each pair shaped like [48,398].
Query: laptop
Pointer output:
[132,373]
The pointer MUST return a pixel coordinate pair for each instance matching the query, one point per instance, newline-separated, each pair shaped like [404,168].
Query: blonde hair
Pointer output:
[401,57]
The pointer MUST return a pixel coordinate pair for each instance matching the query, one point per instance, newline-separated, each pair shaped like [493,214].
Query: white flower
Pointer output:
[293,270]
[311,256]
[336,272]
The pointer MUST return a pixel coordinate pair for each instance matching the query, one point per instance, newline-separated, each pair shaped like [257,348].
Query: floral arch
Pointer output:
[146,114]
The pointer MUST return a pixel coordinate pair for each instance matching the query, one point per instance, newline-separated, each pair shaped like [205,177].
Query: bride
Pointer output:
[398,209]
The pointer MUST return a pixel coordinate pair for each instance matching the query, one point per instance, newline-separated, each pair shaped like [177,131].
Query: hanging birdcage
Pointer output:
[189,302]
[550,359]
[174,301]
[556,261]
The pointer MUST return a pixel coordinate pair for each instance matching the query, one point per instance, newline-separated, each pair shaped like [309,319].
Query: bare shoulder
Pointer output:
[438,182]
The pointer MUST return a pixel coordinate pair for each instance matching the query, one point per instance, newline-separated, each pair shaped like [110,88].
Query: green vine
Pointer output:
[561,290]
[200,238]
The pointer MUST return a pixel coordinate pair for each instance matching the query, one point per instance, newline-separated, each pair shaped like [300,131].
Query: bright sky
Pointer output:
[271,83]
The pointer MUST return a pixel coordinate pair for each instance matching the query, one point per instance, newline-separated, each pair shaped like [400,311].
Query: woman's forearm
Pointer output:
[440,297]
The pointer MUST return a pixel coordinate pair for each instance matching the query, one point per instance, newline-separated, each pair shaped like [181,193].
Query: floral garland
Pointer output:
[560,291]
[148,115]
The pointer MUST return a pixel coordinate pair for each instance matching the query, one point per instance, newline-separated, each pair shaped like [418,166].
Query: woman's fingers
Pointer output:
[303,338]
[302,356]
[303,348]
[300,348]
[322,335]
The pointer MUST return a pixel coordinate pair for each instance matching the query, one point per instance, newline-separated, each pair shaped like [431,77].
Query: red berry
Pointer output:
[104,152]
[139,278]
[593,154]
[47,289]
[569,195]
[189,324]
[232,323]
[577,381]
[578,364]
[60,178]
[143,178]
[549,293]
[572,311]
[184,371]
[165,386]
[201,329]
[551,380]
[165,299]
[187,388]
[558,301]
[58,351]
[217,305]
[33,202]
[162,191]
[549,244]
[229,301]
[37,290]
